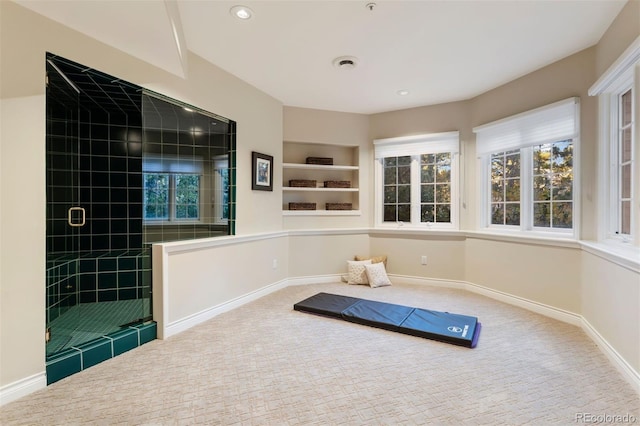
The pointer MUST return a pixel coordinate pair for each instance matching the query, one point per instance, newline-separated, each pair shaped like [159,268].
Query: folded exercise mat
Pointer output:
[458,329]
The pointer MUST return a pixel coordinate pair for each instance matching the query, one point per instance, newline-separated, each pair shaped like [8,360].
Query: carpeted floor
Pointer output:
[265,364]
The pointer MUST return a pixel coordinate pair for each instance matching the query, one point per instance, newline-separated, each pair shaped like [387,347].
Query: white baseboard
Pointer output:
[314,279]
[632,376]
[22,387]
[530,305]
[206,314]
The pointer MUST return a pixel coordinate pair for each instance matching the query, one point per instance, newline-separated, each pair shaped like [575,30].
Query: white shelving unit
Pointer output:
[345,168]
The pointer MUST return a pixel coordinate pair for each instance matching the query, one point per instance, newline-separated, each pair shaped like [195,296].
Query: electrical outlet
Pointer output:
[275,264]
[423,260]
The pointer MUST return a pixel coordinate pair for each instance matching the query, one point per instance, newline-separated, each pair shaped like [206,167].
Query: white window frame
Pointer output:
[414,146]
[173,166]
[548,124]
[220,164]
[624,74]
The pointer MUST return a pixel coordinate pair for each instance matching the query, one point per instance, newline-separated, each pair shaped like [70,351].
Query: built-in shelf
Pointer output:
[345,168]
[317,167]
[321,213]
[320,189]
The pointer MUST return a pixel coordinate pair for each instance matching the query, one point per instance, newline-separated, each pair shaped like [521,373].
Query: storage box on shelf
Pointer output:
[302,206]
[338,206]
[334,171]
[302,183]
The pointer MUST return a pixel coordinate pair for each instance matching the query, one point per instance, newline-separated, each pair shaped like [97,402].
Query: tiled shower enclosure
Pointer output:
[109,144]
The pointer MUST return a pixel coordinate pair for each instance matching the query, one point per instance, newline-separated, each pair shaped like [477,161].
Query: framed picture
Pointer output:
[261,172]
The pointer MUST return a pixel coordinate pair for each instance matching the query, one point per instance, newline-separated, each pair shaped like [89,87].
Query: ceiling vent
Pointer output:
[345,62]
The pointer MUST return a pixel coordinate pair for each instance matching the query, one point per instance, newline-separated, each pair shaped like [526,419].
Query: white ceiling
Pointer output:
[440,51]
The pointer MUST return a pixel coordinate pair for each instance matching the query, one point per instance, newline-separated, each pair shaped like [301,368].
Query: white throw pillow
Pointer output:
[377,275]
[357,273]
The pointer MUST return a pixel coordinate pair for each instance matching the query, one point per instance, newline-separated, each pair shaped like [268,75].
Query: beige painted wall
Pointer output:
[445,255]
[25,37]
[319,254]
[22,238]
[201,279]
[622,31]
[543,274]
[611,304]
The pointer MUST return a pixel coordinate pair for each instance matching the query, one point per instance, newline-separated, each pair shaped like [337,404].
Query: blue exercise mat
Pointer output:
[457,329]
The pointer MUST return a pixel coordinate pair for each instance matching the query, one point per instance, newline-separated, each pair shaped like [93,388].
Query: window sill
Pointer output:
[537,238]
[174,223]
[622,254]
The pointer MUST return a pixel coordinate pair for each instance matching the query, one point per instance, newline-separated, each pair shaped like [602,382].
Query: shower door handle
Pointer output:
[70,219]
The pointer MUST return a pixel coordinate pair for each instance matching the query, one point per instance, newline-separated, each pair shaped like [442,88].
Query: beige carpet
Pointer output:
[265,364]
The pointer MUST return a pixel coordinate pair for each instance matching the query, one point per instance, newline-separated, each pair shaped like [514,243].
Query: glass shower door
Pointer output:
[65,215]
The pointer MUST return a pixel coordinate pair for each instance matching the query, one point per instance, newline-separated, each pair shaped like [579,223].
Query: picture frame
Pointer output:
[261,172]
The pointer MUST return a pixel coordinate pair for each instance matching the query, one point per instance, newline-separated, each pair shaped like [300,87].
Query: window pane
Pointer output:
[390,213]
[541,188]
[497,191]
[404,193]
[626,145]
[404,160]
[497,214]
[542,159]
[497,166]
[625,216]
[443,213]
[404,175]
[390,194]
[626,108]
[542,214]
[505,188]
[443,193]
[187,196]
[562,156]
[512,214]
[156,196]
[553,181]
[427,159]
[562,215]
[625,181]
[397,189]
[444,173]
[427,174]
[390,175]
[427,193]
[404,213]
[512,190]
[426,213]
[512,166]
[563,186]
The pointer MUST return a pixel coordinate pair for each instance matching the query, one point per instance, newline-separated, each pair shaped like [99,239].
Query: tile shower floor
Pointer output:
[88,321]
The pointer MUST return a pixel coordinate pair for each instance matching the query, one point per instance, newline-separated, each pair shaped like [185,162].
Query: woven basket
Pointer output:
[302,183]
[302,206]
[325,161]
[338,206]
[337,184]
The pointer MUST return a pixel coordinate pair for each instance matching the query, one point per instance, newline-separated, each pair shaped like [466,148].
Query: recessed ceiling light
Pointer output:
[241,12]
[345,62]
[402,92]
[187,109]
